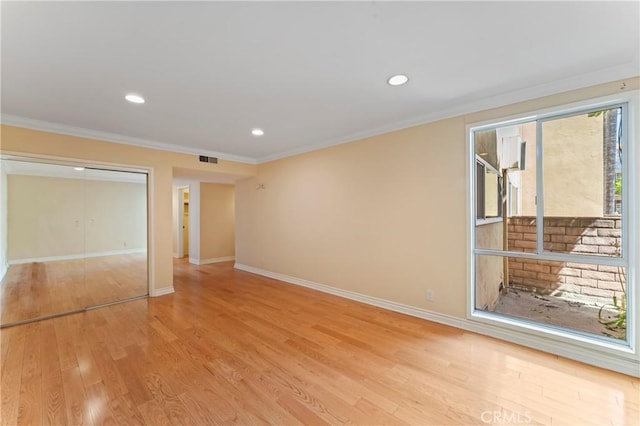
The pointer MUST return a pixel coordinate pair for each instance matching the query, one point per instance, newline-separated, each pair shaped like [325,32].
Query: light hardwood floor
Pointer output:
[230,347]
[32,290]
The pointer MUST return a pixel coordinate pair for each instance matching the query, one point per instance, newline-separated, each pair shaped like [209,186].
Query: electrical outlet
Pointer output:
[430,295]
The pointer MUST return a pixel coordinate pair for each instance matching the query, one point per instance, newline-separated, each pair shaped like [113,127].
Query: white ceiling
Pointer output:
[310,74]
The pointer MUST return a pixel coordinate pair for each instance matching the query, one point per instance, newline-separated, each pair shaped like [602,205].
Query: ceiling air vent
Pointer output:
[205,159]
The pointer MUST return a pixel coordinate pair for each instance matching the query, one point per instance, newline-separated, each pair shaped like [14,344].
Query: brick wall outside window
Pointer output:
[599,236]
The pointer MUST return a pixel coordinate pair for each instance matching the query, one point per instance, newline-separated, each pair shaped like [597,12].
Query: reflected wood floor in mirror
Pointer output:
[31,290]
[231,347]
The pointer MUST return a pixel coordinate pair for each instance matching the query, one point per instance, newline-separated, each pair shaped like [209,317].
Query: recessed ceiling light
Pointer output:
[257,132]
[398,80]
[136,99]
[78,168]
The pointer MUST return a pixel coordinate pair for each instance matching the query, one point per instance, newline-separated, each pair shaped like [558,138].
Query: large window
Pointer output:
[559,257]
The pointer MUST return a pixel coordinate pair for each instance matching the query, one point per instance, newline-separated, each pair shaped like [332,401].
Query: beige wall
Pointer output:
[380,216]
[384,216]
[29,142]
[185,225]
[117,216]
[573,166]
[528,175]
[51,217]
[573,178]
[3,220]
[180,196]
[46,217]
[175,201]
[194,218]
[217,221]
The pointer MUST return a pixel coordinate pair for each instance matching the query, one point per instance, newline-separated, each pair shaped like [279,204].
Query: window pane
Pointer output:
[511,149]
[582,169]
[577,296]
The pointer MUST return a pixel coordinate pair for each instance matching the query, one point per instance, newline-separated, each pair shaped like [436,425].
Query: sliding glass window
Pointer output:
[551,241]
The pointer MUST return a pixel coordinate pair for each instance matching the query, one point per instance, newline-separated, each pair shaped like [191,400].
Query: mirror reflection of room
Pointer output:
[75,237]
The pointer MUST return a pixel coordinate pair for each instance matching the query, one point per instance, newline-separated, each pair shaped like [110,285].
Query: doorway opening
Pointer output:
[183,222]
[204,221]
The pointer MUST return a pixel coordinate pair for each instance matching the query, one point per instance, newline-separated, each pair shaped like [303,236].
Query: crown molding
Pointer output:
[30,123]
[605,75]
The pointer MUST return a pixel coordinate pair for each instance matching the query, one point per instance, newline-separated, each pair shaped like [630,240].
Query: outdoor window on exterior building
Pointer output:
[488,191]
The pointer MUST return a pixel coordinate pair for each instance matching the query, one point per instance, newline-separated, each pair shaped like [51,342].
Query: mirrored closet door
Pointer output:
[73,237]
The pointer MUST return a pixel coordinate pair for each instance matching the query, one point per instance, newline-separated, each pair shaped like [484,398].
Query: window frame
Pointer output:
[572,257]
[541,253]
[619,356]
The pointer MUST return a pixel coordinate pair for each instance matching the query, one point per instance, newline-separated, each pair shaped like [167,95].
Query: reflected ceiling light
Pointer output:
[78,168]
[257,132]
[398,80]
[136,99]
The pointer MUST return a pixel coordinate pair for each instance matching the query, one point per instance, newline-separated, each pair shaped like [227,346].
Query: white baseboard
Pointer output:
[3,271]
[196,261]
[162,291]
[369,300]
[625,363]
[76,256]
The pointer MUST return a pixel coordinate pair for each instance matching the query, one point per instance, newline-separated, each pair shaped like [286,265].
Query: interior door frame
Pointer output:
[180,251]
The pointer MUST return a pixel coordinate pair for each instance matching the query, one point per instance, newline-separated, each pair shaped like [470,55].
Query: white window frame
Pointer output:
[619,356]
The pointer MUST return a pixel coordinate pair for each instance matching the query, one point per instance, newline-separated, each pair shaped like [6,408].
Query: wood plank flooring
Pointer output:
[230,347]
[32,290]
